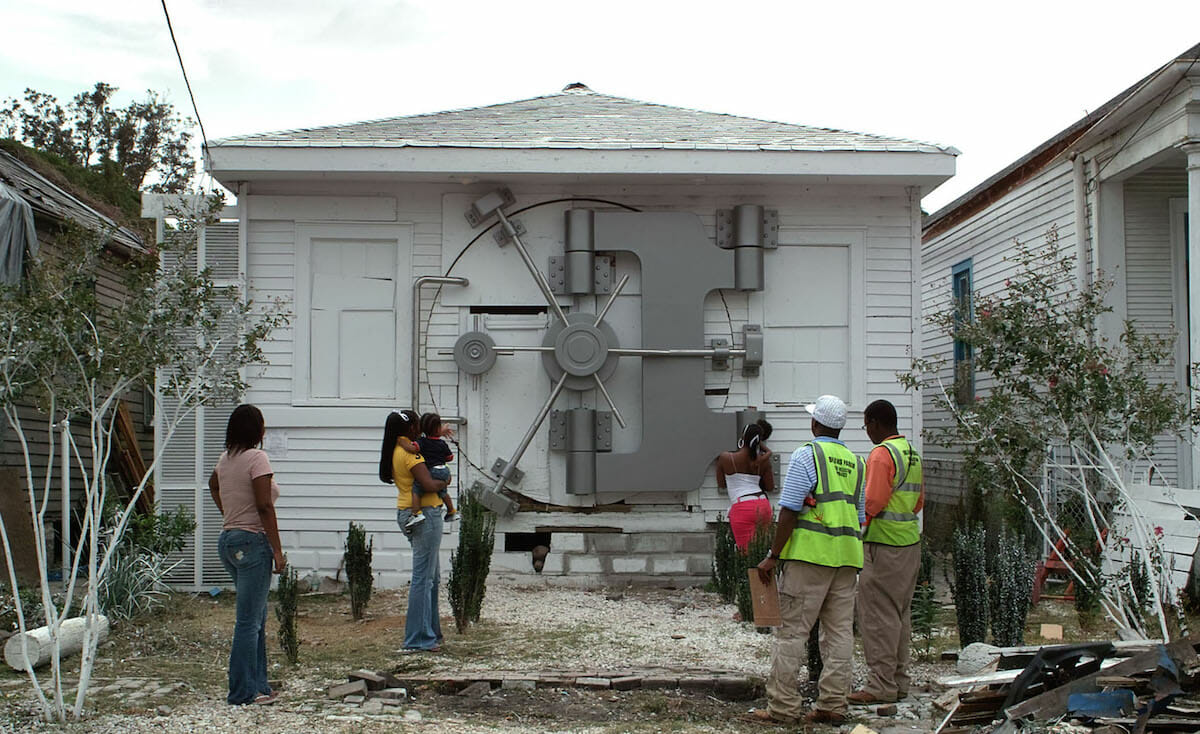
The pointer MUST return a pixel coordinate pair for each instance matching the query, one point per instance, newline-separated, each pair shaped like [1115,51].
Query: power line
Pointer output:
[186,83]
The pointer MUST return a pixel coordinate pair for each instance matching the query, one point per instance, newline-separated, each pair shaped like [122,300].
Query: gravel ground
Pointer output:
[638,628]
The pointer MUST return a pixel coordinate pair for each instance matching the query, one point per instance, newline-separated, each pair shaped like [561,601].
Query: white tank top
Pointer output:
[740,485]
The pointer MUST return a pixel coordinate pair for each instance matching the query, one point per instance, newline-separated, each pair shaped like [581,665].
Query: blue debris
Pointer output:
[214,591]
[1105,704]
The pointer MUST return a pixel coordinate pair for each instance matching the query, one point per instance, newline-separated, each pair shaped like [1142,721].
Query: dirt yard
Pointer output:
[166,673]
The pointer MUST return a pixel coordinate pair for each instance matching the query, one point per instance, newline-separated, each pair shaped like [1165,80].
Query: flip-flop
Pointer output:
[265,699]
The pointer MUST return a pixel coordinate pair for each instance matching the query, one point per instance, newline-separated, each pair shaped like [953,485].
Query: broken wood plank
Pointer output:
[997,677]
[1053,704]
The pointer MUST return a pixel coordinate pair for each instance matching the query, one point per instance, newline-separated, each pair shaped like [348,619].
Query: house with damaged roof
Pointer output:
[38,208]
[597,291]
[1121,188]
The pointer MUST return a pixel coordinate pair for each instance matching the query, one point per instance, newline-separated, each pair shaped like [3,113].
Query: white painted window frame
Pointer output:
[1178,244]
[855,240]
[404,234]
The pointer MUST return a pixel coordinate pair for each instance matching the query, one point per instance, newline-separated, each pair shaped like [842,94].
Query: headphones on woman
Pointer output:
[754,440]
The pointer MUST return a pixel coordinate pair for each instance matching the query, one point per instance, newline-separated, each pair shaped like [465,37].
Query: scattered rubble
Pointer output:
[1125,686]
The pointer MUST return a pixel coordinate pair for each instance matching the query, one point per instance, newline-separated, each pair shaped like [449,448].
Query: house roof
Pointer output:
[49,199]
[1020,170]
[578,118]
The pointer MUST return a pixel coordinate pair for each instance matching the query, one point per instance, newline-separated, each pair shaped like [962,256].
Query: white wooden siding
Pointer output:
[326,463]
[1150,281]
[1025,214]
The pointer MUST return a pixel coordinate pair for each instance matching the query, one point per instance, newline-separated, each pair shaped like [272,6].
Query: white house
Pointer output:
[597,290]
[1120,187]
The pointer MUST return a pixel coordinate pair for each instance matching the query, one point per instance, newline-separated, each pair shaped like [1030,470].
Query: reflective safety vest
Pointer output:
[897,525]
[829,534]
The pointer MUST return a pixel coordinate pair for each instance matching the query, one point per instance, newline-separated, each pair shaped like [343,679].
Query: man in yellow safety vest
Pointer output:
[818,547]
[892,556]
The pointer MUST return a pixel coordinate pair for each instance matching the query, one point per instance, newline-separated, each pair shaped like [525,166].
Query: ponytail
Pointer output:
[398,424]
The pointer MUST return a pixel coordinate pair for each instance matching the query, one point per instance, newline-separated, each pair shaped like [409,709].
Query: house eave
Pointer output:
[231,164]
[1079,136]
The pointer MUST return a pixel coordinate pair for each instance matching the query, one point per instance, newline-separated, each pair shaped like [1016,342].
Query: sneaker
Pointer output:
[450,516]
[414,521]
[265,699]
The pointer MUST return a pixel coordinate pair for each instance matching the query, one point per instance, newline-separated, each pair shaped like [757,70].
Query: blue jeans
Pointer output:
[248,559]
[422,628]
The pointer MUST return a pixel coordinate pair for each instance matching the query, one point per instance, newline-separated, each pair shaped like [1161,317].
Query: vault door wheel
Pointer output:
[579,352]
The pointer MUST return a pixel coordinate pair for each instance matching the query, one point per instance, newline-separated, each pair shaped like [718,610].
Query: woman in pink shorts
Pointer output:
[746,475]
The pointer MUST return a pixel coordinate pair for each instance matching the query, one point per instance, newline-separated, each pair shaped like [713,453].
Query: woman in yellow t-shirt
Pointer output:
[397,465]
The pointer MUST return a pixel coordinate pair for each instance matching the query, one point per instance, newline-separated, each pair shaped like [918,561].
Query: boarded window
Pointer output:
[352,311]
[807,315]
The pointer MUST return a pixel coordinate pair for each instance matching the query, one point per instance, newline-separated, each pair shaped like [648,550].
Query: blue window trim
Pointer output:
[962,353]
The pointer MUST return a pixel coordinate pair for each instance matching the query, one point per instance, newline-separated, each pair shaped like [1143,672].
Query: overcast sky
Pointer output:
[992,79]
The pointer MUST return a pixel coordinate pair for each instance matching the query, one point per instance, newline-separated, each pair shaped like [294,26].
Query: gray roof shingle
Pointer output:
[578,118]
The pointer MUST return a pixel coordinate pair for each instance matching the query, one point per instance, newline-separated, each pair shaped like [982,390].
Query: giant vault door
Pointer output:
[608,368]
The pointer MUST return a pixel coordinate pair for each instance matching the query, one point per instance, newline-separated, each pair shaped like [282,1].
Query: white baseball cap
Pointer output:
[829,411]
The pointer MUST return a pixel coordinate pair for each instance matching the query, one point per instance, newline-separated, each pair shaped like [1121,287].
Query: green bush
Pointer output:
[470,564]
[758,548]
[725,562]
[970,587]
[286,596]
[135,583]
[359,576]
[163,533]
[1012,566]
[924,603]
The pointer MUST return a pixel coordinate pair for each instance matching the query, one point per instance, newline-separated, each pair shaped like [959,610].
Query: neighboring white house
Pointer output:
[766,263]
[1119,186]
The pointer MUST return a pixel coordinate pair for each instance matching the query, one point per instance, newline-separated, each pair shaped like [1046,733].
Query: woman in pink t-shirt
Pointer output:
[244,489]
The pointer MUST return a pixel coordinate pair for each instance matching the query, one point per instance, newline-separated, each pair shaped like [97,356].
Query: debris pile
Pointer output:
[374,691]
[1130,687]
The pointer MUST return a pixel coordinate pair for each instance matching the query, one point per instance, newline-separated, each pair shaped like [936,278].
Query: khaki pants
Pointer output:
[808,593]
[885,592]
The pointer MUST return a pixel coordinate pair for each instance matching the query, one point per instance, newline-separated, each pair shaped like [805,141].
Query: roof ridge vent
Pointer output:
[577,88]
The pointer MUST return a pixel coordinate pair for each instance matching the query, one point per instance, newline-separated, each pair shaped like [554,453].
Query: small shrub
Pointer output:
[470,564]
[970,587]
[286,596]
[31,607]
[725,562]
[1012,567]
[924,604]
[756,550]
[135,583]
[164,533]
[359,576]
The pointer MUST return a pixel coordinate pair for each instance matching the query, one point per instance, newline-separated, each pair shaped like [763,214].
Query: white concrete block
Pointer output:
[629,565]
[329,559]
[554,565]
[583,564]
[669,565]
[567,542]
[516,561]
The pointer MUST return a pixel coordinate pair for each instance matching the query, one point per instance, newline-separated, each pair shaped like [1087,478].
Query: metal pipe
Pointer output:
[537,274]
[533,429]
[675,352]
[611,300]
[416,327]
[608,398]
